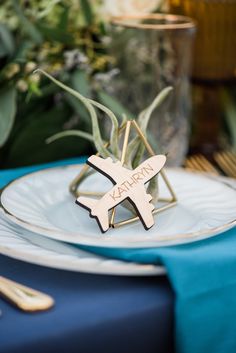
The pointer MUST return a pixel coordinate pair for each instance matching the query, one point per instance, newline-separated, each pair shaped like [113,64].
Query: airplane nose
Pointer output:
[162,158]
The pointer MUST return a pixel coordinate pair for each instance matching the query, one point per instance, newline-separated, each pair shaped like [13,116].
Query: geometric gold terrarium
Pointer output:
[166,202]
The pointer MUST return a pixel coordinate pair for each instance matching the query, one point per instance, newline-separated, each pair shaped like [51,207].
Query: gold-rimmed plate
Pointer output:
[41,202]
[21,244]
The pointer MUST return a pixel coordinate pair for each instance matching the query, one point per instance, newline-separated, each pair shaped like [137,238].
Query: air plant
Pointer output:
[112,148]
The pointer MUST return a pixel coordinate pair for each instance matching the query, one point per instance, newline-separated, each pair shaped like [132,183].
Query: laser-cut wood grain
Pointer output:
[128,184]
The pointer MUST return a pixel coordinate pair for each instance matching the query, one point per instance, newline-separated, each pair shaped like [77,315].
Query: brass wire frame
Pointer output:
[171,202]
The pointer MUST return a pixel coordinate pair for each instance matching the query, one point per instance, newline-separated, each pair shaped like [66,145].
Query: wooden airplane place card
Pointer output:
[128,185]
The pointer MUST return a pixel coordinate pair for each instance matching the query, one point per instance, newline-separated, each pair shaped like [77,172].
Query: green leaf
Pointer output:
[153,189]
[124,119]
[7,43]
[138,155]
[145,115]
[114,105]
[23,50]
[97,138]
[80,82]
[135,148]
[29,147]
[87,11]
[79,108]
[55,34]
[64,17]
[27,25]
[7,113]
[77,133]
[114,143]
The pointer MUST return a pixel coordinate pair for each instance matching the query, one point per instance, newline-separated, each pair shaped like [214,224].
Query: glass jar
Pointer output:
[151,53]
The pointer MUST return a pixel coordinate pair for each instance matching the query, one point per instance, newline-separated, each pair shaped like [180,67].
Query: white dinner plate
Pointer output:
[41,202]
[21,244]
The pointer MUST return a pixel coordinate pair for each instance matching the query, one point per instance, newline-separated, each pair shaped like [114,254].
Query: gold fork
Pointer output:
[227,162]
[199,163]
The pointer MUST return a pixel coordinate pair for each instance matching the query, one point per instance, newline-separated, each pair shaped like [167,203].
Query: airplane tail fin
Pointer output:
[91,205]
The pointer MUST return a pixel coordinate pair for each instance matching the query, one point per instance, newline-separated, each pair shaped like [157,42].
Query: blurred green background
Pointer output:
[69,39]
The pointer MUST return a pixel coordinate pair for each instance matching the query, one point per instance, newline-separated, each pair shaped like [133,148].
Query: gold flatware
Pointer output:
[227,162]
[25,298]
[199,163]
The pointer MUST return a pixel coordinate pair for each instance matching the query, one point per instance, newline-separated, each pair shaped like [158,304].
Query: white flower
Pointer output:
[30,66]
[22,85]
[75,58]
[129,7]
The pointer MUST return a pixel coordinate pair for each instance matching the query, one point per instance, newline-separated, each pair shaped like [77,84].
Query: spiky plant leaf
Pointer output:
[97,139]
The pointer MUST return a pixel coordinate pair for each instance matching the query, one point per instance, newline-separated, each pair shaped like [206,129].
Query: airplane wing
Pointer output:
[141,202]
[112,170]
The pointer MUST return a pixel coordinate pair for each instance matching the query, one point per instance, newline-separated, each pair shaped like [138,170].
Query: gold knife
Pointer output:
[25,298]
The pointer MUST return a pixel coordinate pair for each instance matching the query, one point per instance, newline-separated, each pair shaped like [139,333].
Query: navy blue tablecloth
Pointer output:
[92,314]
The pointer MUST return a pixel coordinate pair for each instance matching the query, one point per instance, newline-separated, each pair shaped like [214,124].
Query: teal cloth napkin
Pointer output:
[7,175]
[202,274]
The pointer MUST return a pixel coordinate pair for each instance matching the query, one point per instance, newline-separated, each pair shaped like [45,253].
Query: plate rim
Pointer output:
[45,261]
[163,240]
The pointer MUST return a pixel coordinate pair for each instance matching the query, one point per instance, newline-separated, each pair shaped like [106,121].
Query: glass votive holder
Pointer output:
[153,52]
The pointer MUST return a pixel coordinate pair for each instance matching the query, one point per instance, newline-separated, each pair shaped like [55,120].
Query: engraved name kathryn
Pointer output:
[128,184]
[134,179]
